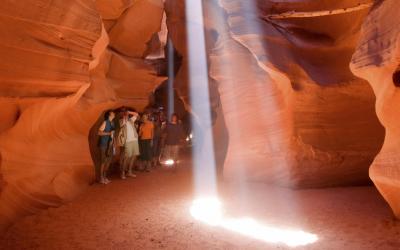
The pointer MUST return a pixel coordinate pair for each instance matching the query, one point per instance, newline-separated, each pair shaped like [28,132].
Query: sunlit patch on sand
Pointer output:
[210,210]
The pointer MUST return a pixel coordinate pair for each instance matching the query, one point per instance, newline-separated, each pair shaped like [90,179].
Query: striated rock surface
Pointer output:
[286,107]
[295,114]
[133,30]
[112,10]
[57,75]
[34,47]
[46,54]
[377,60]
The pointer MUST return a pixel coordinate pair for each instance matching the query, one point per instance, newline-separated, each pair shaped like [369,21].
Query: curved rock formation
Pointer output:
[295,114]
[57,75]
[377,60]
[44,72]
[280,86]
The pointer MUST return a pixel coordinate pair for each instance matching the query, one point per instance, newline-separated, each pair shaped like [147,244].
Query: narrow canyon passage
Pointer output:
[152,211]
[288,108]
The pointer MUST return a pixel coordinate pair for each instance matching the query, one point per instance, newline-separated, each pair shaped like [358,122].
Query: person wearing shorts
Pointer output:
[129,139]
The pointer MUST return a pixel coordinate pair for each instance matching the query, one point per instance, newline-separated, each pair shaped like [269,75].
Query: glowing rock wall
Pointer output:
[295,114]
[57,75]
[377,59]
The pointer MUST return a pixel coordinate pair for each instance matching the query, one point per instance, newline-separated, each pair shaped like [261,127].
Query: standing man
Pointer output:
[129,139]
[146,135]
[106,133]
[156,139]
[163,122]
[174,135]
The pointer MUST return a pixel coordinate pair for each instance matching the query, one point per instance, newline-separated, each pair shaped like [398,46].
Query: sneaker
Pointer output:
[106,181]
[123,177]
[131,175]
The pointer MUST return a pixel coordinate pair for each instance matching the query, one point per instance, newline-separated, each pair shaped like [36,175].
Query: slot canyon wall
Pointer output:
[63,63]
[377,59]
[317,125]
[287,108]
[295,114]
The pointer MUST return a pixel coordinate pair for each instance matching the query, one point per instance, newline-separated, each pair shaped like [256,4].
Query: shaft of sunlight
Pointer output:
[203,148]
[171,79]
[207,207]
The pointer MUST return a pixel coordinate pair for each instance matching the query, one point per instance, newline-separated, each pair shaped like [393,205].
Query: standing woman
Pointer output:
[106,133]
[146,134]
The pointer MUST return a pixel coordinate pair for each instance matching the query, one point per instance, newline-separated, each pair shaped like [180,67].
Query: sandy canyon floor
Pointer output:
[152,211]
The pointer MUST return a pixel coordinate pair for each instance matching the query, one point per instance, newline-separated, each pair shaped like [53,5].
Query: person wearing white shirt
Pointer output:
[129,140]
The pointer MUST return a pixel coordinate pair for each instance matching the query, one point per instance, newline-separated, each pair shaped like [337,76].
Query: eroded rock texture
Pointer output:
[286,108]
[63,63]
[377,60]
[295,114]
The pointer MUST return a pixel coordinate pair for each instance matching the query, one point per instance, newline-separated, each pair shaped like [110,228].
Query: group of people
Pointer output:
[149,137]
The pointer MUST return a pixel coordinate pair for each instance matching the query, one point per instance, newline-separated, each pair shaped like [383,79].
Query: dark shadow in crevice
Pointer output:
[311,36]
[396,78]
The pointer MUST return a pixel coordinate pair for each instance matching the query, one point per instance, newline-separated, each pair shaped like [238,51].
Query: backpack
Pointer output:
[121,138]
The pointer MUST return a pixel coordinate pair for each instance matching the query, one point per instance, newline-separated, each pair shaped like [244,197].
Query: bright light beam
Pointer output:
[209,210]
[207,207]
[203,150]
[171,78]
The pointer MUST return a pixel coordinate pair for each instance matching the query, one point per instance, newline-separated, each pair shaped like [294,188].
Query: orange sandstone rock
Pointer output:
[377,59]
[295,114]
[57,76]
[111,10]
[134,29]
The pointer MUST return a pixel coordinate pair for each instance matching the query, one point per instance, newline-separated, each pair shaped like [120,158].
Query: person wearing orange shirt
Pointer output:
[146,134]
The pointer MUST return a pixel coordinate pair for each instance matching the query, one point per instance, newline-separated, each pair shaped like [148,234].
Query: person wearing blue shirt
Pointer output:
[106,134]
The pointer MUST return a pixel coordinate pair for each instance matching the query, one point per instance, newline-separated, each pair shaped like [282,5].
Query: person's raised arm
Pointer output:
[133,113]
